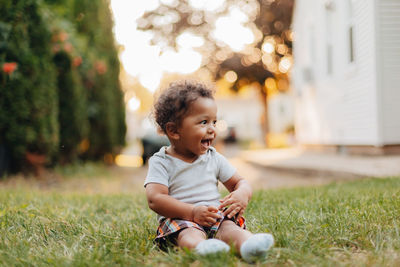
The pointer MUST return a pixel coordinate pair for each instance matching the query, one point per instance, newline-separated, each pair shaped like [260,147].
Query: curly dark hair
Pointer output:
[173,103]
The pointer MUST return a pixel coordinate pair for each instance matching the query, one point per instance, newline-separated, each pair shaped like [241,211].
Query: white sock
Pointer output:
[210,246]
[256,247]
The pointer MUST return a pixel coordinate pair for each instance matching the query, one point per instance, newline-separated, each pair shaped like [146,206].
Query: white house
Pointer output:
[280,112]
[243,114]
[346,74]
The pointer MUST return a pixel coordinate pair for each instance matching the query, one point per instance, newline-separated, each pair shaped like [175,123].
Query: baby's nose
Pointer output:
[211,128]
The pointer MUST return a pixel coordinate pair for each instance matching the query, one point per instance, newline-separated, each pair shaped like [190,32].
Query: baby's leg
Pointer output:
[190,237]
[193,238]
[252,247]
[231,233]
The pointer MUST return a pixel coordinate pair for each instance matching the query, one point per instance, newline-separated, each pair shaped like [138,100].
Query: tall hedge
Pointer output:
[68,48]
[60,95]
[73,119]
[105,102]
[28,95]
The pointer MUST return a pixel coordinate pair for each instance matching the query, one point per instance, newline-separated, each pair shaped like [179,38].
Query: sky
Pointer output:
[148,63]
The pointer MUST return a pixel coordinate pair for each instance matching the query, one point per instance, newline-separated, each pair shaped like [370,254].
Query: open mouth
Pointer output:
[206,143]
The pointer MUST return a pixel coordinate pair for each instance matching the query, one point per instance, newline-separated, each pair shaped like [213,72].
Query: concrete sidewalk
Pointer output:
[298,161]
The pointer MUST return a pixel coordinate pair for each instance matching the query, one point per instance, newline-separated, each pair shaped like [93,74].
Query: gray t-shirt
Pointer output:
[194,183]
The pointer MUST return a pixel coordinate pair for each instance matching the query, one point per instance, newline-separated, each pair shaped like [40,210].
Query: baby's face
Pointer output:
[197,130]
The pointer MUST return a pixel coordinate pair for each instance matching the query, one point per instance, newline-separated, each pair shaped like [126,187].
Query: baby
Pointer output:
[182,180]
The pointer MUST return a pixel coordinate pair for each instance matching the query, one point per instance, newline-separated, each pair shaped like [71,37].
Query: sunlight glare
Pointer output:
[268,47]
[209,5]
[133,104]
[141,59]
[148,5]
[150,79]
[238,15]
[184,61]
[169,2]
[229,29]
[189,40]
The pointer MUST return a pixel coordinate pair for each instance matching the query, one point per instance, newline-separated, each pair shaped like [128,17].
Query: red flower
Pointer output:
[100,67]
[77,61]
[9,67]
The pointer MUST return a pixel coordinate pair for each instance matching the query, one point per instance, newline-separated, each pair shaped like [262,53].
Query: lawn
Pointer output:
[346,224]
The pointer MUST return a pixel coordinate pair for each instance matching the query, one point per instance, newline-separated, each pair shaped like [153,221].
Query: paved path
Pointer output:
[299,161]
[277,168]
[265,178]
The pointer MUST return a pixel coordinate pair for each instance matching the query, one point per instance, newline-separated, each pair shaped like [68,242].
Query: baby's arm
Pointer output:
[239,197]
[167,206]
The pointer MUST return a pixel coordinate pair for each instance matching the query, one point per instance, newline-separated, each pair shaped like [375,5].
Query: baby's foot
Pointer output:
[210,246]
[256,247]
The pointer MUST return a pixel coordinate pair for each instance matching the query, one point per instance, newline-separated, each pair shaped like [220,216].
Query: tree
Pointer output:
[268,56]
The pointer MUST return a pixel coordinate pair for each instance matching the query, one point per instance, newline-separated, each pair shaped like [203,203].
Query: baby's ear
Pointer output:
[172,130]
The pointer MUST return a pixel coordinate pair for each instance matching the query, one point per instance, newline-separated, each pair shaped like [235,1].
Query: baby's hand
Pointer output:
[236,204]
[205,215]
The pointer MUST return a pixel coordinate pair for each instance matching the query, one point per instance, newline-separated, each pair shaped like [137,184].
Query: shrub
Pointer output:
[105,102]
[72,105]
[59,85]
[28,95]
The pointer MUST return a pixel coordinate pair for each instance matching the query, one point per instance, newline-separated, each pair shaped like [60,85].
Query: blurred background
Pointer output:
[78,77]
[242,48]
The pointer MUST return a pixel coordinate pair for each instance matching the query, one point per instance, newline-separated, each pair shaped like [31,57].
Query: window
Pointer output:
[350,32]
[329,7]
[351,44]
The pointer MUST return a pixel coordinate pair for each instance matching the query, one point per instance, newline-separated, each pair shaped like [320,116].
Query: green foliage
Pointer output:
[73,119]
[28,96]
[65,91]
[105,102]
[349,224]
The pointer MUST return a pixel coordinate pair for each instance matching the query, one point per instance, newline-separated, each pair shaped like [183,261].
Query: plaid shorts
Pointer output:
[168,230]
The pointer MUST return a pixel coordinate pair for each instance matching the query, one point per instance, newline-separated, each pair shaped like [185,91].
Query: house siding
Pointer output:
[338,108]
[357,82]
[388,49]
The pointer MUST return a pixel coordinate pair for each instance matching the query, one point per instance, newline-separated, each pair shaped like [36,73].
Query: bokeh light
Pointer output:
[285,64]
[268,47]
[148,62]
[133,104]
[231,76]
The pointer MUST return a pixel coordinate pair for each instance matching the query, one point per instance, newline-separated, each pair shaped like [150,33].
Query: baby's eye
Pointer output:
[214,122]
[203,122]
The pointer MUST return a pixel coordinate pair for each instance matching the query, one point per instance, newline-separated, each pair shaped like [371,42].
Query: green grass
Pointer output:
[85,170]
[347,224]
